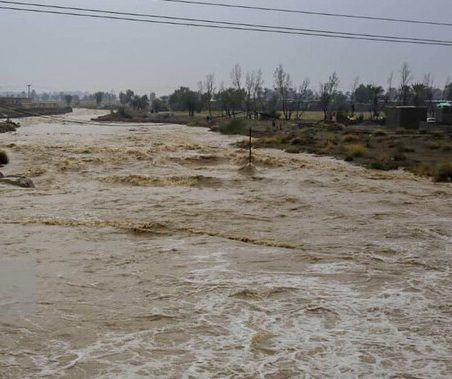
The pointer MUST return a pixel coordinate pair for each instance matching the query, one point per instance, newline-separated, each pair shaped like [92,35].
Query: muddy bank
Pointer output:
[148,251]
[33,112]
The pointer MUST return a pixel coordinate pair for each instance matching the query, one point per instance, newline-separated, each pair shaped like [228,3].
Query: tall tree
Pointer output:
[140,103]
[185,99]
[68,100]
[236,77]
[99,97]
[210,92]
[376,93]
[418,94]
[126,98]
[283,84]
[353,95]
[447,93]
[327,92]
[388,97]
[302,98]
[428,84]
[258,89]
[250,83]
[405,79]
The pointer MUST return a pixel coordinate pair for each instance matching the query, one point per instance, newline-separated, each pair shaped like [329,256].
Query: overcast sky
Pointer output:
[68,53]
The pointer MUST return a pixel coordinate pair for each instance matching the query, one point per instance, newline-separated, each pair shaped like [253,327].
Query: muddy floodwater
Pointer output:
[149,251]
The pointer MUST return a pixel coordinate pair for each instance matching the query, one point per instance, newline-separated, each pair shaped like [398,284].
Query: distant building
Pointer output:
[405,117]
[14,101]
[25,103]
[11,107]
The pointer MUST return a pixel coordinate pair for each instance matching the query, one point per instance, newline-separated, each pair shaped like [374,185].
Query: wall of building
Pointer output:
[405,117]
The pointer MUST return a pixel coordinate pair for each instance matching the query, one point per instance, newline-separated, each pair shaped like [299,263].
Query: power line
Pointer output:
[227,23]
[282,10]
[327,34]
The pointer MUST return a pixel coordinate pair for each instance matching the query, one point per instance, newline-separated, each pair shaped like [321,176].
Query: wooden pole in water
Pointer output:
[250,158]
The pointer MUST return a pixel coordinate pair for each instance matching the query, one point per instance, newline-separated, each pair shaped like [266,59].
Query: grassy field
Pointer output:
[307,116]
[422,152]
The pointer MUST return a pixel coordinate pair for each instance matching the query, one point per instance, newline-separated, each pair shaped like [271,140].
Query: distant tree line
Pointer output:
[247,96]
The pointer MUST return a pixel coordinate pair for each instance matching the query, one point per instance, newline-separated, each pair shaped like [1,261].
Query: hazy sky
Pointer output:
[68,53]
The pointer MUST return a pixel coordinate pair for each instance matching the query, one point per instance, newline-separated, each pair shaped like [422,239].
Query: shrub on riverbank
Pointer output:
[355,150]
[236,126]
[3,157]
[443,173]
[8,126]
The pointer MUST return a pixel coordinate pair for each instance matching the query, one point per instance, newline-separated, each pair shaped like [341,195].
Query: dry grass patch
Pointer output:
[355,150]
[350,138]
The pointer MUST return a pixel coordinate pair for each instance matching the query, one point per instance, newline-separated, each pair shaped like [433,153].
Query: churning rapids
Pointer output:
[146,251]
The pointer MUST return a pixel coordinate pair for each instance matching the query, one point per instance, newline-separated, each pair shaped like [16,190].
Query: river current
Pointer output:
[152,251]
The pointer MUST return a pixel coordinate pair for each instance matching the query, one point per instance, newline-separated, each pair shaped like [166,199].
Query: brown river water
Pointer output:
[147,251]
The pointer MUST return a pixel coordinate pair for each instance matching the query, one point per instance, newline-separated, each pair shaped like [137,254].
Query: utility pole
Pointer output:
[29,86]
[250,157]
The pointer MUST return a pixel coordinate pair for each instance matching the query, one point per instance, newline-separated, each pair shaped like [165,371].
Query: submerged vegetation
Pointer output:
[8,126]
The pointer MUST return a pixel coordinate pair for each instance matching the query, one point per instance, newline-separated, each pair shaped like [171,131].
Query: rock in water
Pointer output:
[25,183]
[20,181]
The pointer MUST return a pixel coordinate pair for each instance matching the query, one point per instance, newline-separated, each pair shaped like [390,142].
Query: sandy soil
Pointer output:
[146,251]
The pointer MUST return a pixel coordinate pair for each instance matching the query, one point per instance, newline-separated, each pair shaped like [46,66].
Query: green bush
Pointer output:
[331,126]
[443,173]
[399,157]
[434,146]
[236,126]
[437,134]
[378,165]
[401,148]
[122,112]
[270,115]
[380,133]
[422,169]
[6,127]
[293,150]
[276,139]
[350,138]
[3,157]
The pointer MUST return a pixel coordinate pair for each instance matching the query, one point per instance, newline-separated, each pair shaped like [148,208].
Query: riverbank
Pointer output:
[422,152]
[33,112]
[156,118]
